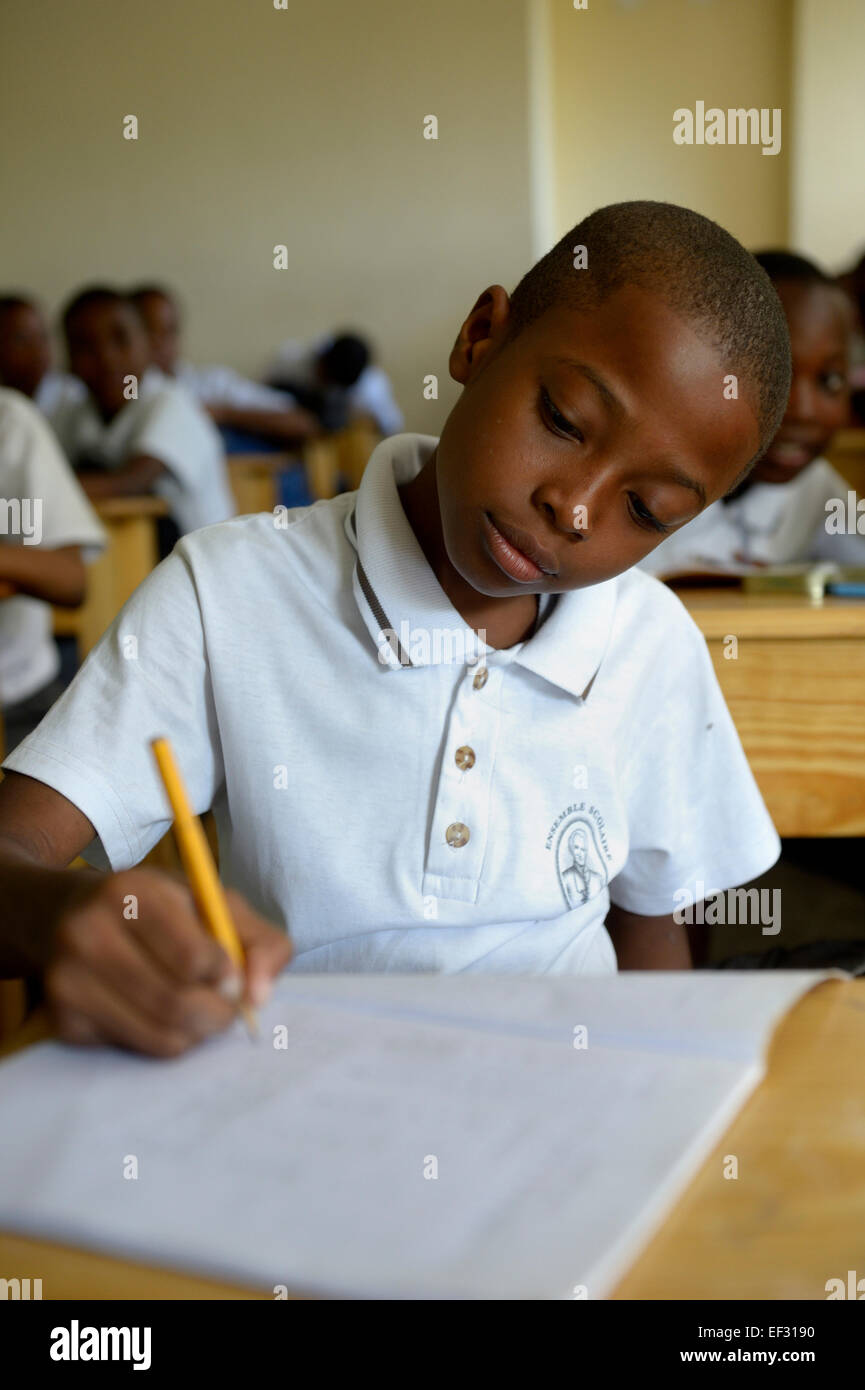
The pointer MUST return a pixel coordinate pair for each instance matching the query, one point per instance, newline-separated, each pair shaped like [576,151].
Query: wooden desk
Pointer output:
[131,553]
[794,1216]
[253,479]
[791,1220]
[796,692]
[332,459]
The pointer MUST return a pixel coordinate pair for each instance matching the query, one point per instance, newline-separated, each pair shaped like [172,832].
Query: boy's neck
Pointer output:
[505,621]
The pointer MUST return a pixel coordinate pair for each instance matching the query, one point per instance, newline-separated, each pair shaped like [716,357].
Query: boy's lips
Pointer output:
[517,552]
[790,453]
[792,448]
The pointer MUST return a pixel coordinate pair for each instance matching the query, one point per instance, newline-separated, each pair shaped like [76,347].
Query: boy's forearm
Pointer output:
[648,943]
[33,898]
[58,576]
[289,425]
[136,478]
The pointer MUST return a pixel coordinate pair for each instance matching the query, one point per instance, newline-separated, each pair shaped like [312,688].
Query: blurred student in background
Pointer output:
[48,531]
[336,379]
[244,410]
[852,282]
[27,356]
[782,512]
[136,431]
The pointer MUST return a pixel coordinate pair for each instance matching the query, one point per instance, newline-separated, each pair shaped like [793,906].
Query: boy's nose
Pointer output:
[566,516]
[108,360]
[803,403]
[571,504]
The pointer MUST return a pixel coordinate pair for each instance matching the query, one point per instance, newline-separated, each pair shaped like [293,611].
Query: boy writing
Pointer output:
[403,704]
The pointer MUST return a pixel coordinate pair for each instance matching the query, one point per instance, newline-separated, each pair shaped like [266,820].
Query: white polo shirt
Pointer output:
[769,524]
[34,472]
[56,391]
[215,385]
[395,805]
[164,423]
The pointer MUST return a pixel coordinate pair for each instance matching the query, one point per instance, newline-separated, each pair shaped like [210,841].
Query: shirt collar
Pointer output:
[404,607]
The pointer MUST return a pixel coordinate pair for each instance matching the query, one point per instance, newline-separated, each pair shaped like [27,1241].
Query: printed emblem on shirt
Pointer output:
[578,840]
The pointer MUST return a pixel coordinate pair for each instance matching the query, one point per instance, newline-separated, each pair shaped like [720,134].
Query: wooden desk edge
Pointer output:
[782,617]
[119,508]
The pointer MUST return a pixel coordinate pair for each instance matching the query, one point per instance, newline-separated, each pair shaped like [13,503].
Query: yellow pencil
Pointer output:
[200,869]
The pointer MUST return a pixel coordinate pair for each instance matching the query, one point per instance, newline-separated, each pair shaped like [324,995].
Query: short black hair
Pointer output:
[786,266]
[345,358]
[95,295]
[8,302]
[697,267]
[140,292]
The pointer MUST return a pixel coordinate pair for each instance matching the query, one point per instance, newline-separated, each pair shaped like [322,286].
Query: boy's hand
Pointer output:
[132,964]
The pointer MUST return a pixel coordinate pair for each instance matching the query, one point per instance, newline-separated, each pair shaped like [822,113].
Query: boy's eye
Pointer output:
[643,516]
[834,382]
[557,420]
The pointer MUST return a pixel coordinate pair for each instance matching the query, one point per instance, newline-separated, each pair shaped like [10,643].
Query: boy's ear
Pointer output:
[482,330]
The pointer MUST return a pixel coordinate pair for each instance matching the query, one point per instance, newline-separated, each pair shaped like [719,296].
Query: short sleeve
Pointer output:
[147,677]
[696,820]
[32,466]
[173,429]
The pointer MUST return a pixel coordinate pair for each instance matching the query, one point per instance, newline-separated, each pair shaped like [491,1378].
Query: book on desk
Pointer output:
[813,579]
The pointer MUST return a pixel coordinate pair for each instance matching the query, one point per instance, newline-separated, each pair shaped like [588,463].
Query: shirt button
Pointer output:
[457,835]
[464,758]
[480,679]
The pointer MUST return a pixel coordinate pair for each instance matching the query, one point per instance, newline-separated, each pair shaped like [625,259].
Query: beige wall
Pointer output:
[828,175]
[259,127]
[303,126]
[620,71]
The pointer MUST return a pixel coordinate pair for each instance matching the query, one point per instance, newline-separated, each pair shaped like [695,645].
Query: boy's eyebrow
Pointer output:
[612,400]
[604,391]
[675,475]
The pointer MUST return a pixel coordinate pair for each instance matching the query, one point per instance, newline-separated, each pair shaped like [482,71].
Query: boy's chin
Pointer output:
[108,403]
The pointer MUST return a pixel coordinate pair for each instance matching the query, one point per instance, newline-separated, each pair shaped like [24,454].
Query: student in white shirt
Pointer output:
[48,531]
[786,510]
[27,357]
[442,722]
[233,402]
[137,432]
[335,378]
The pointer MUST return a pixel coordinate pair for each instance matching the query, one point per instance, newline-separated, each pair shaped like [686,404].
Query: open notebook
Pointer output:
[419,1136]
